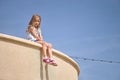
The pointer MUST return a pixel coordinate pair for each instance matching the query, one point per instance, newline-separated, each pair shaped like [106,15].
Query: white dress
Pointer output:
[31,37]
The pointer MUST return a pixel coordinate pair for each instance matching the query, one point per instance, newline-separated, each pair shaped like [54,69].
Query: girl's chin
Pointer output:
[35,26]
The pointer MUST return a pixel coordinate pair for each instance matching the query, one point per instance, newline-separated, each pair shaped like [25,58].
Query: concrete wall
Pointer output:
[21,59]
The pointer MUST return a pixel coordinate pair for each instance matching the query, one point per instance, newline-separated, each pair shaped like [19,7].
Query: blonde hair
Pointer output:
[32,21]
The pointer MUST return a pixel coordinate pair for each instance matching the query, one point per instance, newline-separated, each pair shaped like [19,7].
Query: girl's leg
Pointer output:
[49,48]
[51,61]
[44,48]
[45,58]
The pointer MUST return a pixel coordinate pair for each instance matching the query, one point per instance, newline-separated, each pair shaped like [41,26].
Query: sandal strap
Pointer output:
[52,62]
[46,60]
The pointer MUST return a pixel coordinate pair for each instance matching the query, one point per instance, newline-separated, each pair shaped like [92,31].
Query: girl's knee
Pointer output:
[49,45]
[44,46]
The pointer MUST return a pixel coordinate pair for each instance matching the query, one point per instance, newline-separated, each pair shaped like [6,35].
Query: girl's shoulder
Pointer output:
[30,27]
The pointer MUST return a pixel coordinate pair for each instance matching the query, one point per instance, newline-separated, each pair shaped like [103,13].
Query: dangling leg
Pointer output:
[44,49]
[45,58]
[49,48]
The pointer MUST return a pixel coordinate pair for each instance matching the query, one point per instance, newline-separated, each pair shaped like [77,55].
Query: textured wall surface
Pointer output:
[21,59]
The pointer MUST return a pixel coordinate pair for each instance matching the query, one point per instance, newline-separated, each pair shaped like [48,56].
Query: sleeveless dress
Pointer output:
[31,37]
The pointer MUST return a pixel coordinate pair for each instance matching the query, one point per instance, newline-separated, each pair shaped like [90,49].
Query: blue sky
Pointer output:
[82,28]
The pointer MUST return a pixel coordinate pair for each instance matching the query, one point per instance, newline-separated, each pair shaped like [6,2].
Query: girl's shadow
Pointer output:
[41,70]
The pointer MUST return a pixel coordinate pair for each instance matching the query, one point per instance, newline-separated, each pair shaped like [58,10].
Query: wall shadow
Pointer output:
[41,66]
[47,73]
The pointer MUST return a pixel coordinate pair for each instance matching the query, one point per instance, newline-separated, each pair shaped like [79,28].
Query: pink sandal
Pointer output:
[52,62]
[46,60]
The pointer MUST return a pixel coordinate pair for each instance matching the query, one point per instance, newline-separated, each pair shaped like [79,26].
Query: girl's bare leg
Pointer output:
[51,60]
[44,48]
[47,55]
[49,48]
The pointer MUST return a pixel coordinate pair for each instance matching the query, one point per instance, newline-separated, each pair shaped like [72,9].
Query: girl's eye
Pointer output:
[37,21]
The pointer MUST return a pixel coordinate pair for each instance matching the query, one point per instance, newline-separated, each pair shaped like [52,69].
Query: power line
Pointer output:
[91,59]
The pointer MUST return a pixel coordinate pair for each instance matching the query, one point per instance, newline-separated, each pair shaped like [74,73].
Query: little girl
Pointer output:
[34,34]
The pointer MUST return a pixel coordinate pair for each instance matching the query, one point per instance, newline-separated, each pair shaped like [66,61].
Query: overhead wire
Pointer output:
[92,59]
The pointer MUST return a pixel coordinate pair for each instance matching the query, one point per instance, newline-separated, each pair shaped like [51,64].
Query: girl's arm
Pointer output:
[32,30]
[41,37]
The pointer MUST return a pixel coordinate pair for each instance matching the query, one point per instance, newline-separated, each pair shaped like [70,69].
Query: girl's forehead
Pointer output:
[36,18]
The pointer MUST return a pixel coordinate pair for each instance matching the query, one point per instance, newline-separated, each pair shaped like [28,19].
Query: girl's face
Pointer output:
[36,21]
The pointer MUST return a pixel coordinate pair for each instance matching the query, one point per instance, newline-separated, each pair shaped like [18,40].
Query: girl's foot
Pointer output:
[46,60]
[52,62]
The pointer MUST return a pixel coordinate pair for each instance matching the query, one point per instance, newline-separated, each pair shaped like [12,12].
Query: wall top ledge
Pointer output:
[27,42]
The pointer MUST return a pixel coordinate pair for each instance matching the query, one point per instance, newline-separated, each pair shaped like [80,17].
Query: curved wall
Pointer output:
[21,59]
